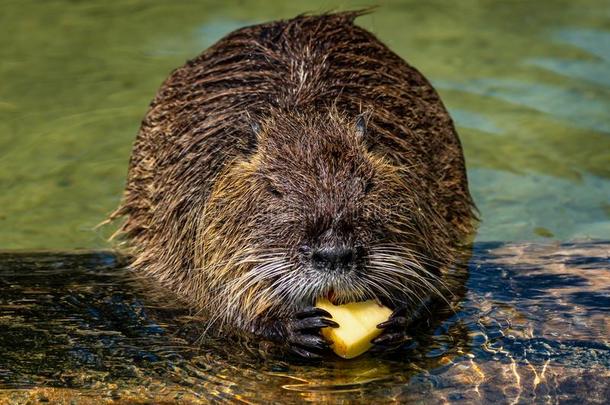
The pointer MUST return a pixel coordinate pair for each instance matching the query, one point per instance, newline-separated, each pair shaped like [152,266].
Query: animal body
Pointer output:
[294,160]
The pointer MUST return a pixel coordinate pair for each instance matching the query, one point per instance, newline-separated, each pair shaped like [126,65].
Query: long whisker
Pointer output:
[395,264]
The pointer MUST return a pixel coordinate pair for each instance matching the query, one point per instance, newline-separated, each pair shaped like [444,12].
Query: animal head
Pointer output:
[314,211]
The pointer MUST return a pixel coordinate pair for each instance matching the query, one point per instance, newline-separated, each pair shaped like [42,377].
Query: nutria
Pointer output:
[293,160]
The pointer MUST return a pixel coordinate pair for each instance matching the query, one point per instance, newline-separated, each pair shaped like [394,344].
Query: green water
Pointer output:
[528,84]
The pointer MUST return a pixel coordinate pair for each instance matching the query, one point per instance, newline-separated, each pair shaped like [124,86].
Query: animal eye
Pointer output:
[273,191]
[368,186]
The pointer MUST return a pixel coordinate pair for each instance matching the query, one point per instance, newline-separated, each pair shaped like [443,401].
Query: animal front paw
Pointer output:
[394,332]
[303,332]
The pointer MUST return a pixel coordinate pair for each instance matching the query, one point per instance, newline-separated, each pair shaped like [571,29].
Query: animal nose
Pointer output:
[333,258]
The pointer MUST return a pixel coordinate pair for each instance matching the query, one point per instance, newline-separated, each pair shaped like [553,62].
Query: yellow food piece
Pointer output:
[357,325]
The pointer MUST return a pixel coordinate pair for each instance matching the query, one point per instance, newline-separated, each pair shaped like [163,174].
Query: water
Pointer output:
[532,327]
[528,84]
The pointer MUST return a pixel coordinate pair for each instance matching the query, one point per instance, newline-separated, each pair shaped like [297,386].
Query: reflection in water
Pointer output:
[533,326]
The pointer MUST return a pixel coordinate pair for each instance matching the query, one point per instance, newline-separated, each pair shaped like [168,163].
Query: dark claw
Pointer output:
[314,323]
[311,312]
[381,349]
[397,322]
[390,339]
[303,332]
[394,331]
[311,341]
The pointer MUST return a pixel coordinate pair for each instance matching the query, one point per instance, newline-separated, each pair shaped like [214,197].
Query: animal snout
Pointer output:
[335,258]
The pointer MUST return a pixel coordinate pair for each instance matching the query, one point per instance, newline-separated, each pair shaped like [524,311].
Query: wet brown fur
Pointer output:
[220,212]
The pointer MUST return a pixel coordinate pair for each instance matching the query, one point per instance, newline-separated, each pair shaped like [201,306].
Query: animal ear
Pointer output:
[253,121]
[257,134]
[256,128]
[361,125]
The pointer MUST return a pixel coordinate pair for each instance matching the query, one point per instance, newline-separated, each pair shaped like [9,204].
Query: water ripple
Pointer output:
[568,104]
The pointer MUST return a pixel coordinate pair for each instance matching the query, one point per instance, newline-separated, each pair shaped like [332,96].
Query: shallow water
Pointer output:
[528,85]
[532,327]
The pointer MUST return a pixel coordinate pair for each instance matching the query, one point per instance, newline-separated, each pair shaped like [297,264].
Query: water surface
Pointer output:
[528,85]
[532,326]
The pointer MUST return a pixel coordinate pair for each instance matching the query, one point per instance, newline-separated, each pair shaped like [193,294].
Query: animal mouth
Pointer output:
[336,299]
[332,297]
